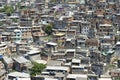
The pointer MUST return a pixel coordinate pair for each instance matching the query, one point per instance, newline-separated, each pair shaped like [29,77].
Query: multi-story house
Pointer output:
[117,49]
[18,75]
[82,52]
[80,66]
[6,37]
[108,39]
[112,1]
[76,24]
[92,44]
[99,13]
[18,36]
[57,69]
[70,43]
[117,21]
[105,29]
[115,73]
[26,34]
[67,18]
[76,77]
[2,71]
[75,66]
[92,77]
[70,34]
[8,62]
[85,27]
[11,28]
[60,24]
[78,15]
[37,32]
[81,40]
[3,49]
[21,64]
[102,4]
[92,33]
[76,1]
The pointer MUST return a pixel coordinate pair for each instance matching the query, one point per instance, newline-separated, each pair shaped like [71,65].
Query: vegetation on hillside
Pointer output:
[7,9]
[48,29]
[37,68]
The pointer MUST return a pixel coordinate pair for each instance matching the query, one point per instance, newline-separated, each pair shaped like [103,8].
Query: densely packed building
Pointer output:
[74,39]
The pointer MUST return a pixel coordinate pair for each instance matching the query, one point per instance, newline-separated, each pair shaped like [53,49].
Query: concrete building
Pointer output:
[85,27]
[117,47]
[21,64]
[8,62]
[3,49]
[18,36]
[2,71]
[76,76]
[18,76]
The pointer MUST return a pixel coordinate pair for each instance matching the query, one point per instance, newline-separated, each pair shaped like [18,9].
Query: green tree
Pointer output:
[7,9]
[37,68]
[48,29]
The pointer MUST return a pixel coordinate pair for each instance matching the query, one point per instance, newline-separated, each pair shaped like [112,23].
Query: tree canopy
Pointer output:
[7,9]
[37,68]
[48,29]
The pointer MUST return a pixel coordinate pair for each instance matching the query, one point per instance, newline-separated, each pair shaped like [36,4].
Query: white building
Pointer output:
[57,69]
[77,77]
[85,27]
[12,1]
[18,76]
[18,35]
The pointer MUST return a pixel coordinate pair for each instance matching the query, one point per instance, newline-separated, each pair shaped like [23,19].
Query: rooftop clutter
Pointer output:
[59,39]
